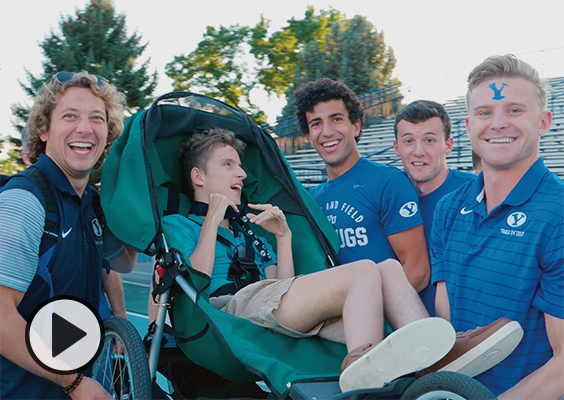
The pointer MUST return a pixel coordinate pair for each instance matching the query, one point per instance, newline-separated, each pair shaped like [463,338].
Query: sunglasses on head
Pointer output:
[63,77]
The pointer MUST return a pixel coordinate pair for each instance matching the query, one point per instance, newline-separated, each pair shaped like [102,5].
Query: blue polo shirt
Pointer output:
[427,205]
[185,232]
[75,268]
[508,263]
[367,204]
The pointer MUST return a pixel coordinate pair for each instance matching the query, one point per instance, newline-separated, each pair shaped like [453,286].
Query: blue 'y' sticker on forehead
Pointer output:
[497,92]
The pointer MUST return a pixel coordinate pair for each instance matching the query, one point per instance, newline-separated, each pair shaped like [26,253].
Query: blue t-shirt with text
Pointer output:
[367,204]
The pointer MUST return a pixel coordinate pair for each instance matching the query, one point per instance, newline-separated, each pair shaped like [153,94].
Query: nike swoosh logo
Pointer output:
[357,186]
[65,234]
[465,211]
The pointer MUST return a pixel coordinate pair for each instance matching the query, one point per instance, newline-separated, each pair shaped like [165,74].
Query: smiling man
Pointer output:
[422,131]
[497,245]
[74,121]
[372,207]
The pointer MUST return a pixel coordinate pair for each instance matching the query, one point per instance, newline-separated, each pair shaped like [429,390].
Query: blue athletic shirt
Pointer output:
[367,204]
[508,263]
[427,205]
[187,231]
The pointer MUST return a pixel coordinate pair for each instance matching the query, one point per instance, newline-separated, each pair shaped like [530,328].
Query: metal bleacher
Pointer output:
[376,142]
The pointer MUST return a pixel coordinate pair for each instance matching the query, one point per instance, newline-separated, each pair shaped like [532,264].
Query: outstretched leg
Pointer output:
[402,304]
[361,292]
[353,291]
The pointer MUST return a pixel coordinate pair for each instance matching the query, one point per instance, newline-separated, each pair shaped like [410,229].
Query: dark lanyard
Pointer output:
[236,219]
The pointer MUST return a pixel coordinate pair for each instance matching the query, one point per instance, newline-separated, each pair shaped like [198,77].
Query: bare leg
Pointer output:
[402,304]
[353,291]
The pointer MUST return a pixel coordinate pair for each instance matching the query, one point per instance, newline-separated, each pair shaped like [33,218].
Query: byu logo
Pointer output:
[97,228]
[516,219]
[408,209]
[497,92]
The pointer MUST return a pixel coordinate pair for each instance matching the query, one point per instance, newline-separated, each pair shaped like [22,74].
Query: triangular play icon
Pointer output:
[64,335]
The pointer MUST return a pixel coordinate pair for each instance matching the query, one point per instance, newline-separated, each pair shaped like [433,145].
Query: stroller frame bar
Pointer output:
[154,350]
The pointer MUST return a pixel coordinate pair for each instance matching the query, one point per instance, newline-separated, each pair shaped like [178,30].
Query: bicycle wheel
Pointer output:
[122,368]
[447,385]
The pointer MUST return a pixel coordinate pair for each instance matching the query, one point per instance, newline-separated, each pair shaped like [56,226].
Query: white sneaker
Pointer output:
[411,348]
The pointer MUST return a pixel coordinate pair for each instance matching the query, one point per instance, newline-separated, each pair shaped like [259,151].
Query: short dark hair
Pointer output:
[195,153]
[311,93]
[422,110]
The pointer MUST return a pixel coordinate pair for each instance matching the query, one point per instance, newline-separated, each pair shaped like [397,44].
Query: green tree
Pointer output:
[278,55]
[324,44]
[352,51]
[13,163]
[95,40]
[218,69]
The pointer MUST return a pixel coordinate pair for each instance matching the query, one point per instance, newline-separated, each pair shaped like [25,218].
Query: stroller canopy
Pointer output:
[141,176]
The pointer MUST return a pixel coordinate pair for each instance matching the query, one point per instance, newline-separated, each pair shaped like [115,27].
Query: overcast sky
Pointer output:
[436,42]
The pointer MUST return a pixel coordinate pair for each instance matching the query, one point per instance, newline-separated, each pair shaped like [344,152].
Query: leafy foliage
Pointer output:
[217,68]
[279,54]
[324,44]
[13,163]
[354,52]
[94,40]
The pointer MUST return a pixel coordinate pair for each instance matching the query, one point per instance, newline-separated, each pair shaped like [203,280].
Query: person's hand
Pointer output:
[89,389]
[218,204]
[272,219]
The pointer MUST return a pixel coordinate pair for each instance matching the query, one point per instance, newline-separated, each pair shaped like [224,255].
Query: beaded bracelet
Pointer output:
[74,384]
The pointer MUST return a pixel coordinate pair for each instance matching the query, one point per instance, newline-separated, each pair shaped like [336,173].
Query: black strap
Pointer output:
[243,270]
[174,333]
[236,220]
[173,199]
[51,227]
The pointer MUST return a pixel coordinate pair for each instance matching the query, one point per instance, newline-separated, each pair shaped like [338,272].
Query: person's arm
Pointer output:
[121,258]
[409,246]
[273,220]
[13,347]
[546,382]
[442,308]
[203,256]
[114,290]
[125,262]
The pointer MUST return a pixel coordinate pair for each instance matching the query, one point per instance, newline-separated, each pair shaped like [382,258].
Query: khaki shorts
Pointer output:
[257,301]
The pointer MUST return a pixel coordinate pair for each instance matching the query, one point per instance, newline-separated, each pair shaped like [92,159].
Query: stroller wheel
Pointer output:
[447,385]
[122,368]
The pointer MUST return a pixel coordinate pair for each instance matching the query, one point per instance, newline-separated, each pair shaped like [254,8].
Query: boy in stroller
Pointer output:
[345,304]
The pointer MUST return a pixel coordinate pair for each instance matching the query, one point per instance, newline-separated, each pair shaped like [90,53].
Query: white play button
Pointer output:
[64,334]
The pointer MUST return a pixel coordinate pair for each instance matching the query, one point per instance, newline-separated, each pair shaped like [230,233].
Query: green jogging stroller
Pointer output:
[210,353]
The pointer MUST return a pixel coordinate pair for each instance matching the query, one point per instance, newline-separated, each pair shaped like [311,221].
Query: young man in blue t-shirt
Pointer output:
[422,131]
[372,207]
[344,304]
[497,244]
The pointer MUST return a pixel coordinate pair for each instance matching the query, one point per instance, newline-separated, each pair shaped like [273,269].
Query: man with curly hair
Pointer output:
[72,125]
[372,207]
